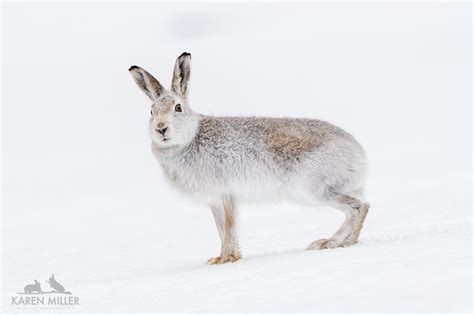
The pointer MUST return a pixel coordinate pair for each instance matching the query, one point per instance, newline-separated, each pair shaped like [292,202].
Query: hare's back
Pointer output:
[285,137]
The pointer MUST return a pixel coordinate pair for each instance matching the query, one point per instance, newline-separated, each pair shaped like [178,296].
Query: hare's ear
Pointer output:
[181,74]
[149,85]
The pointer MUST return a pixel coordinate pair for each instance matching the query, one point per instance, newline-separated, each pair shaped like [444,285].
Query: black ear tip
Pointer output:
[133,68]
[185,54]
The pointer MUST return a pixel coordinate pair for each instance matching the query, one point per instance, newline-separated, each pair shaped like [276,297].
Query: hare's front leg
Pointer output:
[225,217]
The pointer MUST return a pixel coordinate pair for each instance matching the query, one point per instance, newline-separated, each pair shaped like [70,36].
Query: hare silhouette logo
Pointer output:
[33,295]
[57,286]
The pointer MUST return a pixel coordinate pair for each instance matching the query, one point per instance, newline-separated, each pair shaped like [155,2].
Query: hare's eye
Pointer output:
[178,108]
[151,112]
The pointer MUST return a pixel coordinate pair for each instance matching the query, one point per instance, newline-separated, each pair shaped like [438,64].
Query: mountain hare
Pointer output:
[224,161]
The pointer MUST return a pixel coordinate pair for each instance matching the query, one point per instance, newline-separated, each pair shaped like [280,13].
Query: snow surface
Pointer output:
[83,198]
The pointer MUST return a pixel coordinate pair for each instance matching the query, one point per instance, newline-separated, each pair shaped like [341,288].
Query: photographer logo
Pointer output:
[33,296]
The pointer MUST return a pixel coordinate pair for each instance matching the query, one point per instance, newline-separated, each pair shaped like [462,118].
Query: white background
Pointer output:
[85,200]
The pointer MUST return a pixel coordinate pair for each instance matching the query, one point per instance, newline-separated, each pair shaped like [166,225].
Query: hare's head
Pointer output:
[172,122]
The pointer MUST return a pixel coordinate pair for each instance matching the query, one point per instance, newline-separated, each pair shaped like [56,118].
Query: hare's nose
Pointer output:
[160,127]
[162,130]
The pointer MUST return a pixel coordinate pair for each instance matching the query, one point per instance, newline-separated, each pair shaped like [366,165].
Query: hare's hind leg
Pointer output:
[348,234]
[225,217]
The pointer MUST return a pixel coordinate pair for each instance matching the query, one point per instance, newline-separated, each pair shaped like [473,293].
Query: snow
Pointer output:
[84,199]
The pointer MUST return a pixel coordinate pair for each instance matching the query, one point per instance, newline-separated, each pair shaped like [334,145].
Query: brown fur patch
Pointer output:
[229,215]
[289,138]
[291,144]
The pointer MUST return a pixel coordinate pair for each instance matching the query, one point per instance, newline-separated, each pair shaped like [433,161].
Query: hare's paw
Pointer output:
[215,260]
[323,244]
[223,260]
